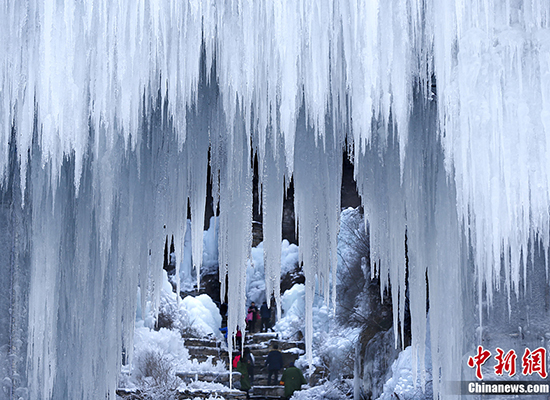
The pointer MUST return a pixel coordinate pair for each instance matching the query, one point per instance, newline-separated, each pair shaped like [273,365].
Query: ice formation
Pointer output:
[111,111]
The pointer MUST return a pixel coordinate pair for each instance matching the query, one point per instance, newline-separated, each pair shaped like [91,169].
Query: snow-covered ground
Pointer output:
[159,354]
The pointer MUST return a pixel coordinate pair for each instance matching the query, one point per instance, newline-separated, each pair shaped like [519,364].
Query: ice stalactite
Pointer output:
[197,147]
[273,188]
[76,304]
[235,230]
[15,251]
[90,252]
[434,239]
[110,111]
[317,205]
[490,62]
[378,179]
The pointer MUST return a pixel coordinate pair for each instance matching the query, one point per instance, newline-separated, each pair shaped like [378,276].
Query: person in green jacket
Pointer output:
[242,367]
[293,379]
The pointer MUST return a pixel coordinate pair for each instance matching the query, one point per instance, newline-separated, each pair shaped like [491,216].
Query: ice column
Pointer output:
[317,177]
[491,61]
[235,231]
[15,250]
[272,167]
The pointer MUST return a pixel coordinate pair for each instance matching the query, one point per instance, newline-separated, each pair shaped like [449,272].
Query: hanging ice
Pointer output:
[272,186]
[111,110]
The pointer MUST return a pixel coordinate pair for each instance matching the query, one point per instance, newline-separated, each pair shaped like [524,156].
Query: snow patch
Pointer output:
[204,315]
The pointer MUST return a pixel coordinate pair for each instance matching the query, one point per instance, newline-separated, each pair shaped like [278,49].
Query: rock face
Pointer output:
[349,198]
[361,305]
[292,278]
[377,354]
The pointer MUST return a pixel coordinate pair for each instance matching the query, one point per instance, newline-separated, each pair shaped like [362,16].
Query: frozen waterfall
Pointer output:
[111,113]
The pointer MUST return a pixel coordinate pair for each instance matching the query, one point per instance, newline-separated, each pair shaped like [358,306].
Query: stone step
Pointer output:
[283,344]
[261,379]
[202,354]
[261,337]
[204,342]
[265,397]
[222,377]
[260,344]
[129,394]
[275,391]
[205,394]
[207,351]
[227,394]
[260,353]
[256,341]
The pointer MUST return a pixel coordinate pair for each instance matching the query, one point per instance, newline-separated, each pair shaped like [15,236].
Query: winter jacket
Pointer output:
[293,380]
[236,360]
[245,380]
[265,312]
[252,313]
[274,360]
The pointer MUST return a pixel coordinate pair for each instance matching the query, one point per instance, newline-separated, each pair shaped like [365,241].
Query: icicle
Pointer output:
[491,92]
[235,229]
[272,208]
[317,205]
[198,143]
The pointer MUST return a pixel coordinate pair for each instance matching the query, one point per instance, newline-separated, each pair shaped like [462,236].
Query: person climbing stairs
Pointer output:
[259,346]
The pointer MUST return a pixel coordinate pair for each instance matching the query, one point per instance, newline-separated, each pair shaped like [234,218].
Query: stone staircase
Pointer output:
[260,344]
[227,394]
[201,349]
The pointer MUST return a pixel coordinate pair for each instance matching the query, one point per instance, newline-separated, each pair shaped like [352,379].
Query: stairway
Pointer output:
[202,348]
[260,344]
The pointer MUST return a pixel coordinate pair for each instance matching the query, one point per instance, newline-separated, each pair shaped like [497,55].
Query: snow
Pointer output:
[333,345]
[256,276]
[165,347]
[199,312]
[327,391]
[166,342]
[204,314]
[402,381]
[293,306]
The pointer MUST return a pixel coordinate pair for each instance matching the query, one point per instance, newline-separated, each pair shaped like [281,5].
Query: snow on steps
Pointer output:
[181,394]
[188,377]
[202,348]
[260,344]
[267,392]
[204,394]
